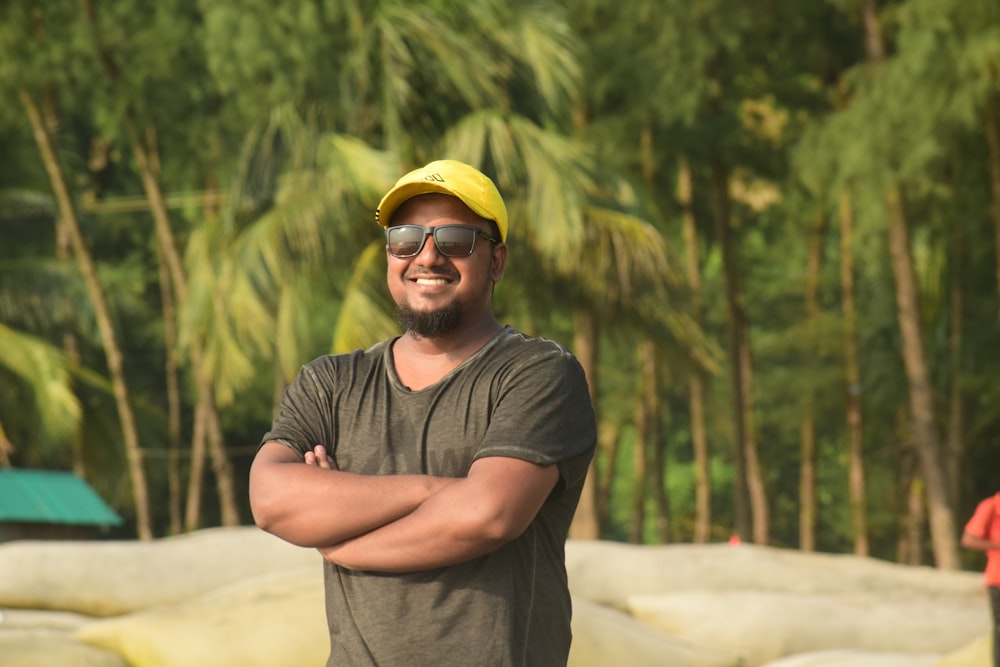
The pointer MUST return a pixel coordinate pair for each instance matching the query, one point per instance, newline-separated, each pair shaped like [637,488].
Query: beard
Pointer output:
[430,323]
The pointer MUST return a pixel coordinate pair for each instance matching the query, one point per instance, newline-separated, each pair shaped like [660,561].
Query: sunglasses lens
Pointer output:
[450,240]
[405,241]
[454,241]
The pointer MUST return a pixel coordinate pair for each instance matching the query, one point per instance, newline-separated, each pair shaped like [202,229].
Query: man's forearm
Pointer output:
[429,537]
[474,516]
[313,506]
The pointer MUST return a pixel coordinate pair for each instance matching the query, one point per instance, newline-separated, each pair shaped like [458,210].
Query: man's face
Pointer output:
[436,294]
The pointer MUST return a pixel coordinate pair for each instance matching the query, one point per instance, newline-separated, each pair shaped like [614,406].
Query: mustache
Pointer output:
[413,274]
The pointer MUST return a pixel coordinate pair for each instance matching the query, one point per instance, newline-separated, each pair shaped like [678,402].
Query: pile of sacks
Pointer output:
[239,597]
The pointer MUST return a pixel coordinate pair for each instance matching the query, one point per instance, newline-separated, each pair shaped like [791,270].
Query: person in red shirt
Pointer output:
[982,533]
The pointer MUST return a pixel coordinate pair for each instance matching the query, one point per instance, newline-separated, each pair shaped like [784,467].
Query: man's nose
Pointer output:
[429,253]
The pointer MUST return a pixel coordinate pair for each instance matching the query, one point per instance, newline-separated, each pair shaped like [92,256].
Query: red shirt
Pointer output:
[985,523]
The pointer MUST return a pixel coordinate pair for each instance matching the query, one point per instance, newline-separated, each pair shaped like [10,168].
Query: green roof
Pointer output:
[47,496]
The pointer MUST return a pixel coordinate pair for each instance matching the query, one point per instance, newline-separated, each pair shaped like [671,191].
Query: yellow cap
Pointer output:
[450,177]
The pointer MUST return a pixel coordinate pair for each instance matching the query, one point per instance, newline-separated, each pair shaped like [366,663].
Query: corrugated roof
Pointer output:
[48,496]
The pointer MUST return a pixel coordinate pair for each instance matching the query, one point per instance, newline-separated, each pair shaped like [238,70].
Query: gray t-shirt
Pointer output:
[518,397]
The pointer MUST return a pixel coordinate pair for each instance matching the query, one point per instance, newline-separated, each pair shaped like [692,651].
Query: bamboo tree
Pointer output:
[991,126]
[174,427]
[751,522]
[954,448]
[609,437]
[696,383]
[112,350]
[642,443]
[925,431]
[147,160]
[855,455]
[650,368]
[71,347]
[807,463]
[586,523]
[925,435]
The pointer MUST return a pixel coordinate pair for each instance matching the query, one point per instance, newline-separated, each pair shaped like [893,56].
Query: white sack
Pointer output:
[106,578]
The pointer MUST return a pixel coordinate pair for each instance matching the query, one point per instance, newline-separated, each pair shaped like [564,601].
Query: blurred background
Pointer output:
[768,229]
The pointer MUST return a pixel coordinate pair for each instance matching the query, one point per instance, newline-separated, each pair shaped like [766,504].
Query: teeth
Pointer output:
[431,281]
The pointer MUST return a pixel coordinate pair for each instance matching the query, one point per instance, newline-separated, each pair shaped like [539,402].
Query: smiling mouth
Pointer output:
[431,280]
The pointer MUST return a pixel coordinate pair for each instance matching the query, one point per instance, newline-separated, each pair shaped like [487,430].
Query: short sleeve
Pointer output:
[301,422]
[544,413]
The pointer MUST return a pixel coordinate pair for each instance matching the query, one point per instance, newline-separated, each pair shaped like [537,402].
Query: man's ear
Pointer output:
[499,262]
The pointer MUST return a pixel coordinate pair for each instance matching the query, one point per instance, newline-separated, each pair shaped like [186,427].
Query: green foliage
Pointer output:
[295,116]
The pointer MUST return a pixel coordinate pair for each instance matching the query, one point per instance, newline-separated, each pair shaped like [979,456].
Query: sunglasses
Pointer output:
[450,240]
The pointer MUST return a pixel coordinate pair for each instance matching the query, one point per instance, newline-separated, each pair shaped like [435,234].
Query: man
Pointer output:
[982,533]
[437,472]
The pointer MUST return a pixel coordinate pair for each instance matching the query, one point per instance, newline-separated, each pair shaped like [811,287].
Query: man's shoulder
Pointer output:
[375,352]
[520,342]
[343,364]
[526,356]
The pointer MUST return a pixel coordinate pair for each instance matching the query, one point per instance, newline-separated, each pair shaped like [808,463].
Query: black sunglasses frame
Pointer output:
[433,231]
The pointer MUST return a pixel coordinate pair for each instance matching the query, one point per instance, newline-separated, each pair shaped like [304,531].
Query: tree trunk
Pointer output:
[148,172]
[807,464]
[146,159]
[585,525]
[222,467]
[648,452]
[112,351]
[807,476]
[855,453]
[755,479]
[992,126]
[911,543]
[925,433]
[650,368]
[734,320]
[192,510]
[874,47]
[640,455]
[649,394]
[696,382]
[608,443]
[71,347]
[954,453]
[174,428]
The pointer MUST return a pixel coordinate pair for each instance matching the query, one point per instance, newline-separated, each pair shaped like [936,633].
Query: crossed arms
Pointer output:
[395,523]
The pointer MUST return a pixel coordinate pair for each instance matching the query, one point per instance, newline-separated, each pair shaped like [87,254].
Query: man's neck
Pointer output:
[462,342]
[421,361]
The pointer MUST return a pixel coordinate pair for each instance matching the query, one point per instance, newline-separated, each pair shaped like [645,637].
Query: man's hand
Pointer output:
[477,514]
[309,502]
[319,457]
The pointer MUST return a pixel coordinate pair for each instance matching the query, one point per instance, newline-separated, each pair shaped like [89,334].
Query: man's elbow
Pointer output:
[494,524]
[269,505]
[264,512]
[271,519]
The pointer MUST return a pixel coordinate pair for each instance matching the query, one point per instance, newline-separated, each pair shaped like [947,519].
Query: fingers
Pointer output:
[318,457]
